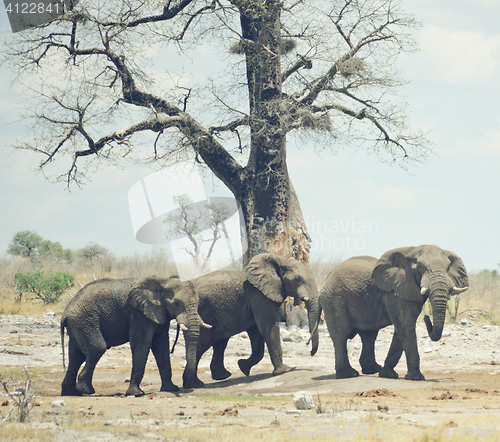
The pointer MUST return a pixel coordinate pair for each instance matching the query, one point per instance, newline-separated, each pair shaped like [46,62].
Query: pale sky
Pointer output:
[354,204]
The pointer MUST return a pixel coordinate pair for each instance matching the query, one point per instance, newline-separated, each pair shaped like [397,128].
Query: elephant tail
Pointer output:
[63,326]
[176,338]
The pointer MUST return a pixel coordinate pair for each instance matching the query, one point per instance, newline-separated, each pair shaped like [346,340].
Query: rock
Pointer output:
[58,403]
[303,400]
[294,412]
[50,314]
[465,323]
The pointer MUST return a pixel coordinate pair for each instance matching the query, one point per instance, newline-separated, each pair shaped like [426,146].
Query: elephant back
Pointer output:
[100,295]
[220,291]
[352,275]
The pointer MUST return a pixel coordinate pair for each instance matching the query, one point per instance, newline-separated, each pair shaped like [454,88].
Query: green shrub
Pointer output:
[49,288]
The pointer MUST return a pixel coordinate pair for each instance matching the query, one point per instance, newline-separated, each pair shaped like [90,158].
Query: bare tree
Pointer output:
[293,66]
[191,220]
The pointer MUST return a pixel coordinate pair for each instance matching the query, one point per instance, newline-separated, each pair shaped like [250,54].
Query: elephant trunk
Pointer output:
[191,336]
[313,315]
[438,303]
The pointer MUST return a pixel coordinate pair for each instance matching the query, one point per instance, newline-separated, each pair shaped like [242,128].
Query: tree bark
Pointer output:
[273,217]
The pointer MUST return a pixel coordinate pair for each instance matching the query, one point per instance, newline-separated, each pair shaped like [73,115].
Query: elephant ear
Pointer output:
[146,296]
[457,271]
[264,273]
[393,272]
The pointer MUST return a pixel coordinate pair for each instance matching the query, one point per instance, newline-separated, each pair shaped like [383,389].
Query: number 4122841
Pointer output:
[33,8]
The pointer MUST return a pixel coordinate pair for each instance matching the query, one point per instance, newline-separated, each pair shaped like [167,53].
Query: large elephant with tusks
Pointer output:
[365,294]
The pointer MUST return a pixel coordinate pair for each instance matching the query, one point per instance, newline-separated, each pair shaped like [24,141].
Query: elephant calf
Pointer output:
[365,294]
[111,312]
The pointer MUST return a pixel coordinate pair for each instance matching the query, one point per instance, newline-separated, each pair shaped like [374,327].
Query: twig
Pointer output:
[24,398]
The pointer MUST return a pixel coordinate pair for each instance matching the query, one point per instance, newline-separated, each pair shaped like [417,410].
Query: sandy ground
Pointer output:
[459,399]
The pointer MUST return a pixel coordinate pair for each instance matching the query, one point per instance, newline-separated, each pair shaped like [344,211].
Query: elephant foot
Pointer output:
[220,375]
[70,392]
[134,390]
[193,383]
[84,388]
[414,376]
[388,373]
[245,367]
[346,373]
[371,368]
[282,369]
[169,387]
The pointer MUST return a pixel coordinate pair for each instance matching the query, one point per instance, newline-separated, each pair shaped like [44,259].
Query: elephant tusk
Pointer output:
[205,325]
[183,327]
[459,290]
[305,299]
[423,291]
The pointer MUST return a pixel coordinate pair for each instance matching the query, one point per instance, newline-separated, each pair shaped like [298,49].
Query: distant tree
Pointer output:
[96,257]
[25,243]
[31,245]
[92,252]
[492,273]
[191,220]
[47,287]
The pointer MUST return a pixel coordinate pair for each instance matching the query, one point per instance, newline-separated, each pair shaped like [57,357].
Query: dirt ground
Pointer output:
[459,399]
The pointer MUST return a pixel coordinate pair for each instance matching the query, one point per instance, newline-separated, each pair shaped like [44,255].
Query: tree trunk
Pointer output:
[273,218]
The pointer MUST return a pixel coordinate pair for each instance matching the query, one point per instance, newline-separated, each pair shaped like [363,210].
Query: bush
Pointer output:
[49,288]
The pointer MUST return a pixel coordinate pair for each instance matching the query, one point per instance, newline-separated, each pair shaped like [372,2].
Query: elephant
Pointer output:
[295,315]
[248,300]
[110,312]
[364,294]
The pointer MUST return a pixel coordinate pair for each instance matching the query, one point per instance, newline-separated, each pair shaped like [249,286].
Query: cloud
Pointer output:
[461,56]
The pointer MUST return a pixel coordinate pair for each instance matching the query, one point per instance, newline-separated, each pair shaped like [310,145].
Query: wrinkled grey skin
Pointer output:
[111,312]
[363,295]
[249,300]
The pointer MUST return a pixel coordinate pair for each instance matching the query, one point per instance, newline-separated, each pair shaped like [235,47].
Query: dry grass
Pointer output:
[24,432]
[482,300]
[366,428]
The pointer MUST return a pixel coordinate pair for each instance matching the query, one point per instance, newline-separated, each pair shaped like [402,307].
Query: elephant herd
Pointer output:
[359,297]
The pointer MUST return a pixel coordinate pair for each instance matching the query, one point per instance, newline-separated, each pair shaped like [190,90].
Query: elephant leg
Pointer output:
[257,342]
[367,359]
[392,359]
[161,352]
[76,359]
[219,372]
[266,319]
[141,339]
[93,353]
[339,328]
[410,347]
[404,317]
[204,344]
